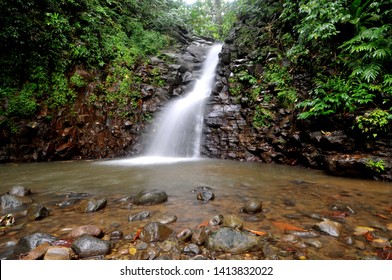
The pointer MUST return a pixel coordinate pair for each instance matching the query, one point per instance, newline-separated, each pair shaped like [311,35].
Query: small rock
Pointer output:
[232,221]
[205,195]
[29,242]
[92,205]
[19,190]
[37,212]
[233,241]
[86,229]
[9,201]
[331,228]
[155,232]
[116,235]
[191,249]
[141,245]
[139,216]
[150,197]
[314,243]
[166,219]
[252,207]
[199,237]
[216,220]
[89,246]
[58,253]
[185,234]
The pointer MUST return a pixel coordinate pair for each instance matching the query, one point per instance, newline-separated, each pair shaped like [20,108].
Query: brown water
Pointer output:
[289,194]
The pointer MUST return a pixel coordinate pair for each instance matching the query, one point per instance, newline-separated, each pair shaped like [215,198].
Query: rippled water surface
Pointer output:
[289,194]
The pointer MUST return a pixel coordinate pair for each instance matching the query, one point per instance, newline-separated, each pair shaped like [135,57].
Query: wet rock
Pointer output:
[199,237]
[58,253]
[232,221]
[92,205]
[216,220]
[205,195]
[9,201]
[37,253]
[141,245]
[314,243]
[37,212]
[139,216]
[68,202]
[29,242]
[19,190]
[331,228]
[252,207]
[90,246]
[233,241]
[86,229]
[150,197]
[304,234]
[166,219]
[185,234]
[155,232]
[192,249]
[116,235]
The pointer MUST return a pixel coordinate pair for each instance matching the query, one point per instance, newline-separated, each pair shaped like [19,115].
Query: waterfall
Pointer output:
[179,127]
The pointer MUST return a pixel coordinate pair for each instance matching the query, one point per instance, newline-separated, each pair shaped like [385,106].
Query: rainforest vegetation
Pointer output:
[342,47]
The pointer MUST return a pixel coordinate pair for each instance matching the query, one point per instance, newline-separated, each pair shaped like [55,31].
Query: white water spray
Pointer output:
[180,128]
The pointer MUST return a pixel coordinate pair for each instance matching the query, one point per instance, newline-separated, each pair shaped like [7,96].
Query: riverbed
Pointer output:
[290,196]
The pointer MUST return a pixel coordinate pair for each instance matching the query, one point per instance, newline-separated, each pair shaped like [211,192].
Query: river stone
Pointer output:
[90,246]
[12,201]
[58,253]
[331,228]
[232,221]
[37,212]
[252,207]
[29,242]
[166,219]
[185,234]
[86,229]
[139,216]
[233,241]
[191,249]
[155,232]
[205,195]
[199,237]
[150,197]
[19,190]
[92,205]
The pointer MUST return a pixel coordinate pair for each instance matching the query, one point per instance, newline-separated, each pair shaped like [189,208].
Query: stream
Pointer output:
[289,195]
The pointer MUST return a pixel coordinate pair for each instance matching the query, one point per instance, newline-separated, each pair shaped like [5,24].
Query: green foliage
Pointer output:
[334,95]
[279,76]
[374,122]
[262,117]
[377,166]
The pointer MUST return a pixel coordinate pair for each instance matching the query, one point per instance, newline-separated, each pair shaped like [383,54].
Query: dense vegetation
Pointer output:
[342,47]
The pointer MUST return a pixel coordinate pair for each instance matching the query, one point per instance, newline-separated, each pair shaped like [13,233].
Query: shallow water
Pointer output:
[289,194]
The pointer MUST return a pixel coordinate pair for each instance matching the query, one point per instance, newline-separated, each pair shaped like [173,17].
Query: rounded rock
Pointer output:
[150,197]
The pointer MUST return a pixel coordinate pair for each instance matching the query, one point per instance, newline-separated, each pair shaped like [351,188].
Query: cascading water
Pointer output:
[179,128]
[179,132]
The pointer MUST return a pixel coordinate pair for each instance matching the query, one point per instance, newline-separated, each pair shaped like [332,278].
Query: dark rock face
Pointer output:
[149,197]
[329,144]
[89,246]
[86,130]
[233,241]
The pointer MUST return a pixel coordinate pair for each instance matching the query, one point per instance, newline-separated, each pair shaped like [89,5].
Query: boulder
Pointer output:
[150,197]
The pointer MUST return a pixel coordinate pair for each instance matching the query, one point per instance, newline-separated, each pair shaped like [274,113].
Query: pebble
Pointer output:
[330,227]
[139,216]
[252,207]
[86,229]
